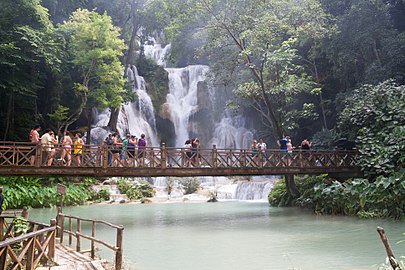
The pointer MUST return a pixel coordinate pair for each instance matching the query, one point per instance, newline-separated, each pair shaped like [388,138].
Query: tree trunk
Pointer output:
[89,117]
[291,187]
[10,116]
[112,123]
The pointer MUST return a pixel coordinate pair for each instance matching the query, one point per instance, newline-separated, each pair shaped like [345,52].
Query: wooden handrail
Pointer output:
[26,236]
[78,235]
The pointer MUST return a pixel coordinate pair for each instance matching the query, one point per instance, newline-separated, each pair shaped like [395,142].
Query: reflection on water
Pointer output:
[239,235]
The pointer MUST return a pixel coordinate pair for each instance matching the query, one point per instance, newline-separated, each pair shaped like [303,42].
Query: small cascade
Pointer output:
[230,132]
[253,190]
[157,52]
[182,97]
[139,117]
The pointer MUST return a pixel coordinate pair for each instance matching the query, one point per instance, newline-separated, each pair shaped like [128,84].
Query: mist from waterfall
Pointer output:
[156,52]
[230,132]
[182,97]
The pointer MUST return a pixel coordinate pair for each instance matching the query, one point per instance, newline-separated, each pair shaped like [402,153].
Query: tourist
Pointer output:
[254,151]
[123,156]
[116,150]
[262,146]
[34,139]
[195,149]
[109,142]
[142,149]
[131,150]
[48,141]
[282,143]
[306,144]
[78,148]
[289,151]
[189,153]
[67,148]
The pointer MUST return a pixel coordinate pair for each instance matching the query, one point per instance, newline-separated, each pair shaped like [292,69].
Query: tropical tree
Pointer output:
[28,55]
[94,49]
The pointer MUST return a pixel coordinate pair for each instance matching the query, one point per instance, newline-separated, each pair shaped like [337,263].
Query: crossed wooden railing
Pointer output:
[28,250]
[77,234]
[19,154]
[15,156]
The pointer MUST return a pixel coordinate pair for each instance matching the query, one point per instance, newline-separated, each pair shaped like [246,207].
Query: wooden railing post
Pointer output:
[30,254]
[52,242]
[163,156]
[105,156]
[61,224]
[93,234]
[70,230]
[38,155]
[3,257]
[78,229]
[214,156]
[118,255]
[1,228]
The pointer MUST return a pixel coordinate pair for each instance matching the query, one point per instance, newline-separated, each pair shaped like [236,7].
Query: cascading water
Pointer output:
[253,190]
[231,133]
[139,117]
[156,52]
[182,97]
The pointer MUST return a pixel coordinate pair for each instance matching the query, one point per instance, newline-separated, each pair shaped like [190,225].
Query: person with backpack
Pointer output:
[142,149]
[109,142]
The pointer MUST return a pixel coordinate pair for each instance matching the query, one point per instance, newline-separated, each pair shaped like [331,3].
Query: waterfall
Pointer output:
[182,97]
[138,117]
[230,132]
[253,190]
[156,52]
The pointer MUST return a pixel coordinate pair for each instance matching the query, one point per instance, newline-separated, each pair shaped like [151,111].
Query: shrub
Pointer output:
[189,185]
[137,190]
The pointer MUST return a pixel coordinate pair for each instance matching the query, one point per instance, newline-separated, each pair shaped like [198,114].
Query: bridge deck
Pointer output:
[100,160]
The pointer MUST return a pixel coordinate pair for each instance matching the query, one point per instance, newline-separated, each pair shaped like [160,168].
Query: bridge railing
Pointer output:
[66,226]
[103,156]
[28,250]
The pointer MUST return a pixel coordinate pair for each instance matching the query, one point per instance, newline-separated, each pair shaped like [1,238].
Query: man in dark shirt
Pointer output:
[282,143]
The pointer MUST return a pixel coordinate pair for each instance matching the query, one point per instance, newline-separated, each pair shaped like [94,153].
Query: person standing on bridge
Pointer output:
[262,146]
[282,144]
[78,148]
[67,148]
[142,150]
[34,139]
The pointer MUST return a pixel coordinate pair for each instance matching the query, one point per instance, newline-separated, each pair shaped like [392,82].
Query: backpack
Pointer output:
[141,142]
[109,141]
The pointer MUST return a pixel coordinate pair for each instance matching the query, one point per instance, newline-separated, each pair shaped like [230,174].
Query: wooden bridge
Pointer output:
[18,158]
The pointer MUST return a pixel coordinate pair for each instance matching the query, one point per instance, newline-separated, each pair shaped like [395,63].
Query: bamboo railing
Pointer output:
[28,250]
[78,235]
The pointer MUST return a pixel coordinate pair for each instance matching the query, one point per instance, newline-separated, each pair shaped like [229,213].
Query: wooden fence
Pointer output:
[13,154]
[78,235]
[28,250]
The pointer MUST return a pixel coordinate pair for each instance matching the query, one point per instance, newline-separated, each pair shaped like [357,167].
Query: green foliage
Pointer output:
[325,139]
[189,185]
[100,196]
[137,190]
[376,117]
[385,197]
[20,226]
[36,192]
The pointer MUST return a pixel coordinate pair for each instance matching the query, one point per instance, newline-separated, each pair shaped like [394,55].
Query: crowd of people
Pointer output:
[130,150]
[285,145]
[48,142]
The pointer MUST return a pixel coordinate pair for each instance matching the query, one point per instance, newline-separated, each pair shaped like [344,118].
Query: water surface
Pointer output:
[239,235]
